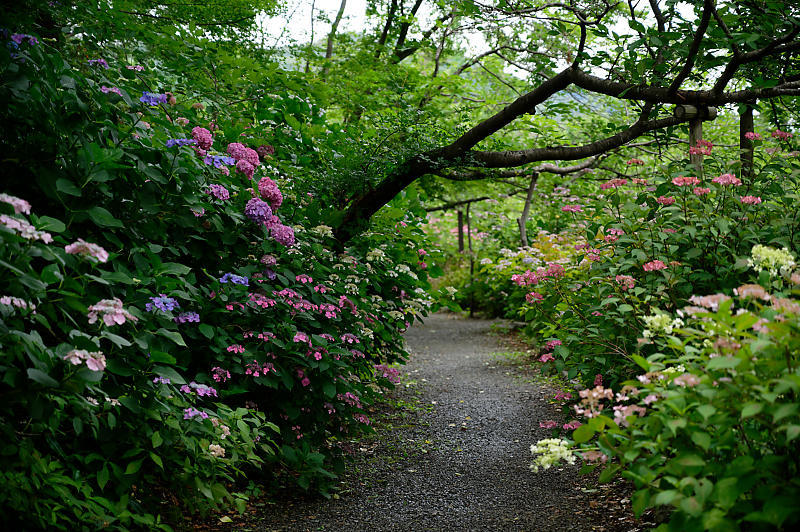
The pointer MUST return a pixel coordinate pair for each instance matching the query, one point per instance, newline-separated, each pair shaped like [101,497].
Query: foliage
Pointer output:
[155,338]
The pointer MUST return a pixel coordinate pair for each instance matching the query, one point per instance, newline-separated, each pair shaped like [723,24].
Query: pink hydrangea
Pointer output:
[614,183]
[534,297]
[203,137]
[781,135]
[727,179]
[81,247]
[95,361]
[750,200]
[634,162]
[664,200]
[683,181]
[111,311]
[270,192]
[243,167]
[750,135]
[20,205]
[654,265]
[571,208]
[701,191]
[236,150]
[24,229]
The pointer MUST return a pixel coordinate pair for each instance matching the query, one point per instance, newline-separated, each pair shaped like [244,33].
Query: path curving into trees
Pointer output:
[474,473]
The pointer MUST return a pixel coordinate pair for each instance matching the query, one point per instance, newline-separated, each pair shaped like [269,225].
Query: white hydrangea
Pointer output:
[775,261]
[660,324]
[550,451]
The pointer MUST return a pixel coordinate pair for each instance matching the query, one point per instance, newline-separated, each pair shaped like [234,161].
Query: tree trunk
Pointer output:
[471,265]
[331,36]
[695,134]
[461,230]
[745,144]
[522,221]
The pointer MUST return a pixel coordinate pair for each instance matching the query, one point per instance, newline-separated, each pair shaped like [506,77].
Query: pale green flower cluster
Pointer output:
[660,324]
[550,451]
[322,230]
[775,261]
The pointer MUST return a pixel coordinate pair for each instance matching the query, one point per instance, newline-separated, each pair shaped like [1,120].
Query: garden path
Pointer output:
[466,460]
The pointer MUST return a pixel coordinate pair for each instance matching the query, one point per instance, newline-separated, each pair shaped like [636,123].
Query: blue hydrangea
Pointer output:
[219,160]
[184,317]
[235,279]
[162,302]
[180,142]
[151,98]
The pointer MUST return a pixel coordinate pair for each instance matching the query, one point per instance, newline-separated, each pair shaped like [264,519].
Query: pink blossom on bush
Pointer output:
[700,191]
[111,311]
[203,137]
[20,205]
[571,208]
[750,200]
[81,247]
[727,179]
[683,181]
[750,135]
[634,162]
[654,265]
[614,183]
[269,192]
[781,135]
[664,200]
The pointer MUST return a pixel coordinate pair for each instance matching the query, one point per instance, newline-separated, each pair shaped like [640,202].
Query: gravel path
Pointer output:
[468,463]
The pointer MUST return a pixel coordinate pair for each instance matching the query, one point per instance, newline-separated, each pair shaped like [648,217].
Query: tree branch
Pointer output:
[708,5]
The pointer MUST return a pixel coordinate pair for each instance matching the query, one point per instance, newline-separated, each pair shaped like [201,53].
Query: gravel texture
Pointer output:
[461,464]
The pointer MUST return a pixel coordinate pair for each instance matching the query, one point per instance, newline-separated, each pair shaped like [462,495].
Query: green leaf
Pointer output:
[159,356]
[792,432]
[169,373]
[723,363]
[666,497]
[102,217]
[102,477]
[67,187]
[329,389]
[156,459]
[134,467]
[751,409]
[206,330]
[172,268]
[156,439]
[583,434]
[42,378]
[624,308]
[690,460]
[727,492]
[608,473]
[172,335]
[45,223]
[706,411]
[783,411]
[702,439]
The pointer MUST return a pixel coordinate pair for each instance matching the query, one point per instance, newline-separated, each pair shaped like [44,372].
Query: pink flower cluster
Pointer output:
[219,374]
[781,135]
[534,297]
[530,278]
[111,311]
[95,361]
[81,247]
[235,348]
[572,208]
[256,369]
[246,158]
[664,200]
[269,191]
[106,90]
[614,183]
[17,302]
[634,162]
[626,282]
[25,229]
[703,147]
[654,265]
[388,372]
[750,200]
[685,181]
[20,205]
[701,191]
[591,401]
[727,179]
[750,135]
[203,137]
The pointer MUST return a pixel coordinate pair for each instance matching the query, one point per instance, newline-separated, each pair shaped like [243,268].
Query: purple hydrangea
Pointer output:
[151,98]
[171,143]
[161,380]
[191,412]
[258,211]
[184,317]
[219,192]
[101,62]
[162,302]
[245,168]
[200,389]
[203,137]
[283,234]
[218,161]
[235,279]
[19,37]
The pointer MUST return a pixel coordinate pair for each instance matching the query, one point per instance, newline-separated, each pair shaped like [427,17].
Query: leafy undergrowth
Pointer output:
[371,459]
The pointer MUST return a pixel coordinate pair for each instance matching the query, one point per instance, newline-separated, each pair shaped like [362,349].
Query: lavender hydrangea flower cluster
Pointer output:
[218,161]
[163,303]
[153,99]
[171,143]
[185,317]
[258,211]
[219,192]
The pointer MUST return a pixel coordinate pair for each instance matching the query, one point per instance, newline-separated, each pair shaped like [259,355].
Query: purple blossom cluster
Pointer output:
[106,90]
[111,311]
[98,62]
[161,302]
[219,192]
[203,137]
[153,99]
[200,389]
[185,317]
[191,412]
[269,192]
[258,211]
[219,161]
[171,143]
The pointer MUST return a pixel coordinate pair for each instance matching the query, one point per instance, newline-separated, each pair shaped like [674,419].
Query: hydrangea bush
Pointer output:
[175,315]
